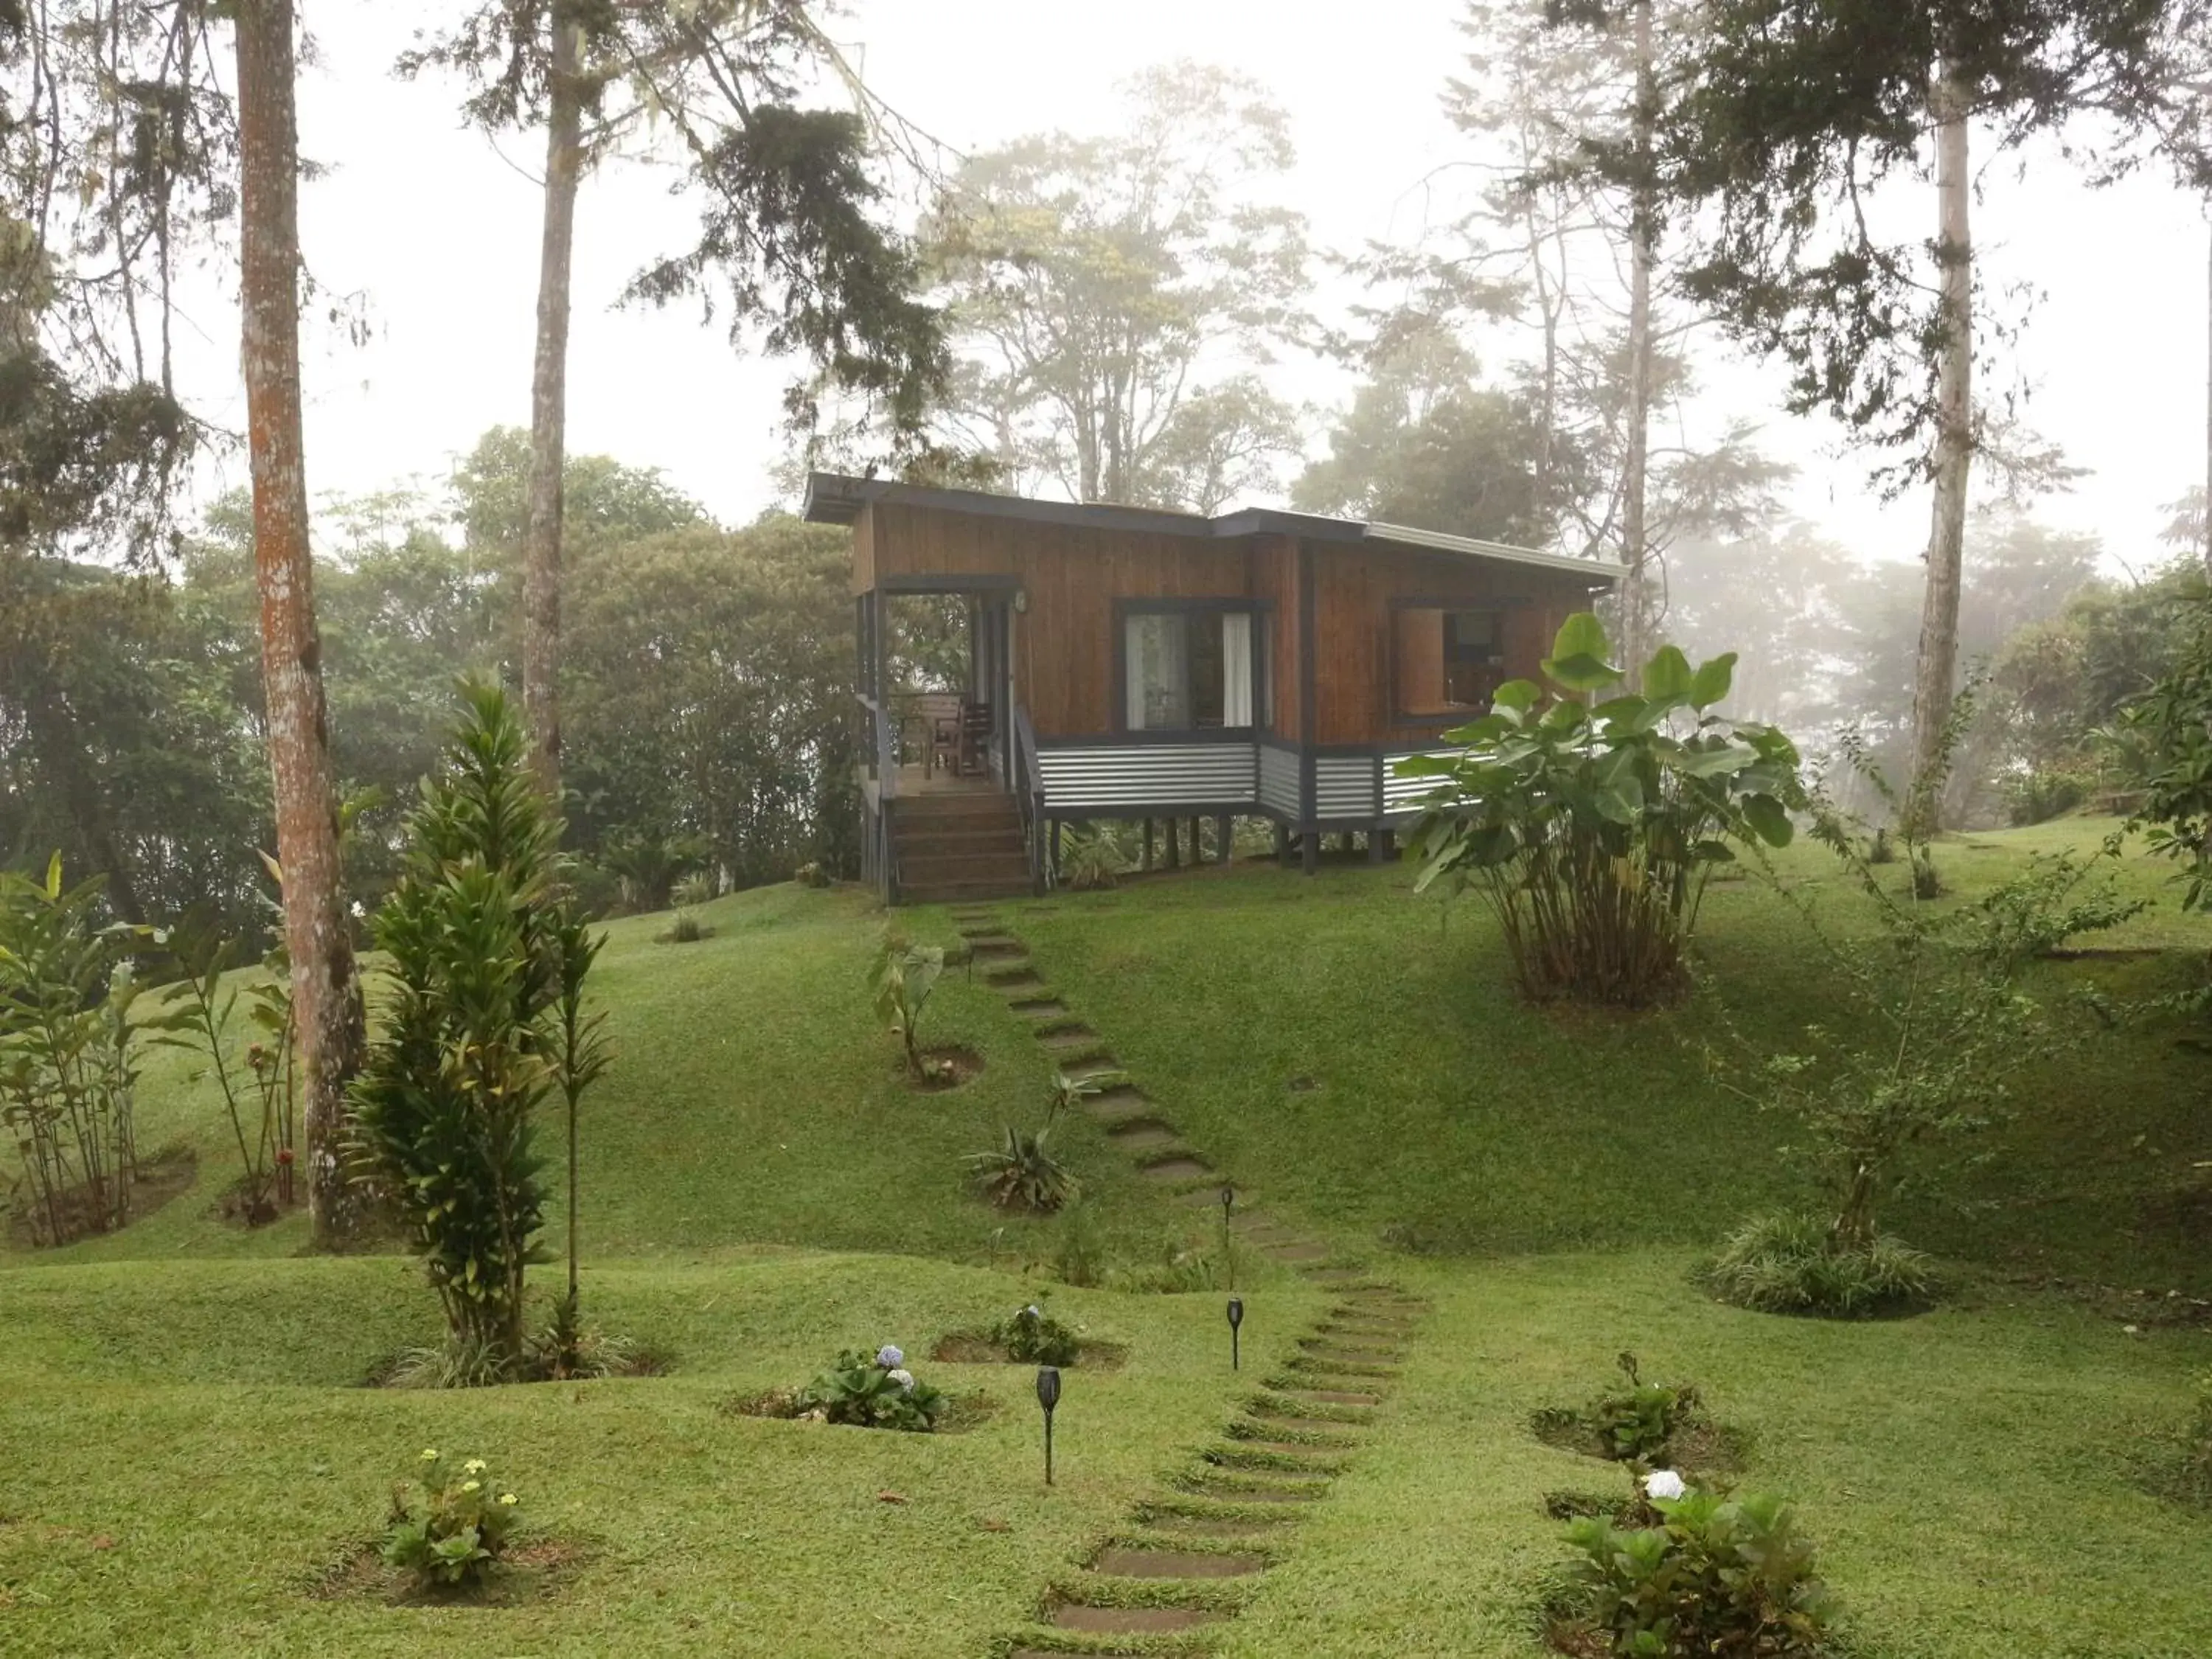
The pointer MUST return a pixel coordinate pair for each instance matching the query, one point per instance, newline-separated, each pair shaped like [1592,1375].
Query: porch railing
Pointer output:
[1026,780]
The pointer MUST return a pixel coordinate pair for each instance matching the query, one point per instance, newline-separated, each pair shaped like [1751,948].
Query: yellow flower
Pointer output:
[507,1498]
[471,1485]
[474,1466]
[429,1454]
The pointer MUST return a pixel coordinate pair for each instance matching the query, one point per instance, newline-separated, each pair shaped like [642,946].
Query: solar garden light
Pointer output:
[1236,1319]
[1228,1250]
[1047,1396]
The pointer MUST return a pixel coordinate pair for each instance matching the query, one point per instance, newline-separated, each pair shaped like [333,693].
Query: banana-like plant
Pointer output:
[904,976]
[1591,828]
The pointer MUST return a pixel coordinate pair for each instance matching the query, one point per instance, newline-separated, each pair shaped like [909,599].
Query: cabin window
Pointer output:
[1189,671]
[1448,663]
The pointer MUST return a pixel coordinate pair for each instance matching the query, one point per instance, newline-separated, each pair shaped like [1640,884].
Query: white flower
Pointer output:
[474,1466]
[1034,1311]
[1665,1484]
[889,1358]
[904,1379]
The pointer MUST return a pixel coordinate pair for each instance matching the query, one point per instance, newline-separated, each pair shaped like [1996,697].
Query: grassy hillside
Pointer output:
[1359,1054]
[192,1459]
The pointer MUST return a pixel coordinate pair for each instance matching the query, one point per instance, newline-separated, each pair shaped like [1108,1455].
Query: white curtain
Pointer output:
[1158,669]
[1237,668]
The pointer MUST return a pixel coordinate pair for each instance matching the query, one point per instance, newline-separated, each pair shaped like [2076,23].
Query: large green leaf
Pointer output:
[1710,684]
[1519,695]
[1667,676]
[1578,655]
[1768,820]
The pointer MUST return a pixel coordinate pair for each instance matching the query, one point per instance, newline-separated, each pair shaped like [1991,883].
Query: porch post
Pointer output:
[1147,864]
[1222,837]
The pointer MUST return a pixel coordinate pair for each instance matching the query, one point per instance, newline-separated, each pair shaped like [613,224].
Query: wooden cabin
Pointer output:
[1122,663]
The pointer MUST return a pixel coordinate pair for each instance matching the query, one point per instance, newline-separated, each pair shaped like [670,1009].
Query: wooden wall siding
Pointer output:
[1279,780]
[864,550]
[1353,658]
[1274,564]
[1147,777]
[1064,643]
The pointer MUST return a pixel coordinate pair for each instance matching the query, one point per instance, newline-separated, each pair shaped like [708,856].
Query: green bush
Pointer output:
[1717,1576]
[1031,1336]
[684,928]
[2036,796]
[1794,1263]
[872,1393]
[1590,831]
[67,1073]
[1091,859]
[452,1529]
[1637,1424]
[485,955]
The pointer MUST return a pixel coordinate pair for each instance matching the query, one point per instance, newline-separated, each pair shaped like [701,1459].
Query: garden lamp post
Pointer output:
[1228,1250]
[1047,1396]
[1236,1320]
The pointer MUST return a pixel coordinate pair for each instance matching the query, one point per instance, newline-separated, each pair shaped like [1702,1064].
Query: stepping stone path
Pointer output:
[1193,1554]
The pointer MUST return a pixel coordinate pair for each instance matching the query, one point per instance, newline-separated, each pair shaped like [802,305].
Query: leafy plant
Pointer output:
[1590,832]
[874,1392]
[693,891]
[648,865]
[1031,1336]
[1931,1025]
[1020,1173]
[905,975]
[684,928]
[1637,1424]
[1795,1263]
[451,1528]
[1078,1254]
[1715,1576]
[486,954]
[198,1019]
[68,1074]
[811,874]
[1091,860]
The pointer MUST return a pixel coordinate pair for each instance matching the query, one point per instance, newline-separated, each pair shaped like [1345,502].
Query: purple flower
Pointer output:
[889,1357]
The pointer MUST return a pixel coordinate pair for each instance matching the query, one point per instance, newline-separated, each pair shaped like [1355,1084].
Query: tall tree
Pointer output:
[1785,116]
[1107,295]
[792,237]
[325,992]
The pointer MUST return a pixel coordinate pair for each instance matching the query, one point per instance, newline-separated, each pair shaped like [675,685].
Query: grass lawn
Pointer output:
[189,1454]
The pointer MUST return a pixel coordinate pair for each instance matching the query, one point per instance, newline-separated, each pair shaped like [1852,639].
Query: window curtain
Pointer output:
[1237,668]
[1158,672]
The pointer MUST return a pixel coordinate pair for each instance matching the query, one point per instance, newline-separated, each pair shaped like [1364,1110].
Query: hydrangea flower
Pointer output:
[474,1466]
[889,1358]
[1665,1484]
[904,1379]
[1034,1311]
[506,1498]
[430,1454]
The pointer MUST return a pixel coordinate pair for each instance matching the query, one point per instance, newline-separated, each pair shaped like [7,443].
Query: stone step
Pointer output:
[1224,1490]
[1207,1197]
[1141,1133]
[996,949]
[1313,1463]
[1038,1007]
[1131,1562]
[1332,1396]
[1023,980]
[1345,1435]
[1298,1250]
[1071,1038]
[1321,1365]
[1182,1167]
[1334,1353]
[1131,1621]
[1120,1100]
[1216,1526]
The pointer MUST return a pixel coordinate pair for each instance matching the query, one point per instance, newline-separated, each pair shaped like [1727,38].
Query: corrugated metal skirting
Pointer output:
[1345,787]
[1148,775]
[1279,780]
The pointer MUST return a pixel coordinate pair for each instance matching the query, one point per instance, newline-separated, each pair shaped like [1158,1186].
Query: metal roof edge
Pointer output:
[1603,570]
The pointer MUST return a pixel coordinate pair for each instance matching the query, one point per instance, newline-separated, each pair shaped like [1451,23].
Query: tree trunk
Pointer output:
[1937,684]
[1635,536]
[541,545]
[2207,408]
[325,994]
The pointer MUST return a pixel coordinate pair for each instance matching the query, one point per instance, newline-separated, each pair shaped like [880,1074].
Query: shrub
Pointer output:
[905,975]
[481,938]
[198,1019]
[874,1392]
[684,928]
[67,1073]
[1717,1576]
[451,1529]
[1638,1425]
[812,874]
[1020,1173]
[1031,1336]
[2036,796]
[1590,832]
[693,891]
[1091,860]
[1795,1263]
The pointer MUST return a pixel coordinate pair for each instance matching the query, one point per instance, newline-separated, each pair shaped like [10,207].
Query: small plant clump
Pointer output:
[905,976]
[1704,1575]
[450,1527]
[1794,1263]
[869,1391]
[1638,1424]
[1092,861]
[684,928]
[1020,1173]
[811,874]
[1031,1336]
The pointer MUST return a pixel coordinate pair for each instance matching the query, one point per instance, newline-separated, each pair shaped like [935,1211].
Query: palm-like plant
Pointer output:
[1020,1173]
[904,976]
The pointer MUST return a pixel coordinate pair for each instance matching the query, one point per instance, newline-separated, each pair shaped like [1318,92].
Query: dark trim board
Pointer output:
[979,582]
[1235,736]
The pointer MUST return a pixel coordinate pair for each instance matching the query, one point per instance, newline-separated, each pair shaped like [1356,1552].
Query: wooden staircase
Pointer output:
[950,849]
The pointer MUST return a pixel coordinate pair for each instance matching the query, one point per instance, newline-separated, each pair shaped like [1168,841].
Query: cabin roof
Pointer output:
[837,498]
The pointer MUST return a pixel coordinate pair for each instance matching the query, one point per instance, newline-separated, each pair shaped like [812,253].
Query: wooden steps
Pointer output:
[959,848]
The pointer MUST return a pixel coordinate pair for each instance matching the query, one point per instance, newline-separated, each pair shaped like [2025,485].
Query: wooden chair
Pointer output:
[975,723]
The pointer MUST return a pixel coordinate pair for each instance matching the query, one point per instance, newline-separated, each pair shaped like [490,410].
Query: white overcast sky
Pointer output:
[437,233]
